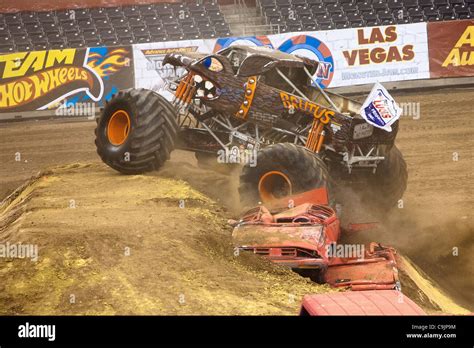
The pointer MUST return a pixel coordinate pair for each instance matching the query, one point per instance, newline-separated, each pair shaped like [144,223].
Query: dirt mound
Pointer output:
[436,217]
[114,244]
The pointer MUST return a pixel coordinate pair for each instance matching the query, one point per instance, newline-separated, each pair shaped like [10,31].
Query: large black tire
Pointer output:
[304,169]
[387,185]
[151,133]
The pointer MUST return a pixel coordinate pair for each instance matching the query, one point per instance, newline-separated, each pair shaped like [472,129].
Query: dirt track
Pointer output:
[436,217]
[126,246]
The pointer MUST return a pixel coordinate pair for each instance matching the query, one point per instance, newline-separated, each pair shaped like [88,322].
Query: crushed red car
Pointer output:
[304,238]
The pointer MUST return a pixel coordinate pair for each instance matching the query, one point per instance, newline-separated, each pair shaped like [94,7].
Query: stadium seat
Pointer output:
[309,24]
[119,23]
[462,11]
[286,11]
[379,5]
[140,32]
[123,31]
[86,24]
[29,18]
[354,17]
[151,21]
[50,27]
[38,38]
[72,36]
[69,26]
[107,34]
[431,14]
[46,17]
[416,13]
[339,18]
[350,8]
[319,10]
[66,15]
[103,24]
[125,40]
[326,26]
[212,7]
[425,3]
[276,21]
[365,7]
[440,3]
[6,48]
[314,2]
[283,3]
[299,3]
[395,5]
[39,46]
[447,13]
[370,19]
[335,9]
[136,22]
[98,14]
[109,42]
[34,28]
[114,12]
[207,34]
[385,16]
[82,14]
[156,31]
[131,11]
[167,19]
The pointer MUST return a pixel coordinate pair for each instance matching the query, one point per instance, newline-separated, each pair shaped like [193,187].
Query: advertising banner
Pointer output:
[451,48]
[41,80]
[149,70]
[347,56]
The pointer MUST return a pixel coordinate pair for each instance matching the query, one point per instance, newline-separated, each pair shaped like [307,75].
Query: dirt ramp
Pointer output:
[114,244]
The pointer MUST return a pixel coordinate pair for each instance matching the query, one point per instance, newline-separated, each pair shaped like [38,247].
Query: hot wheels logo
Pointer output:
[36,79]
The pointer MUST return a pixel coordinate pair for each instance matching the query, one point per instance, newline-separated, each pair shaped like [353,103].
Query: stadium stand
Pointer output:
[306,15]
[89,27]
[25,31]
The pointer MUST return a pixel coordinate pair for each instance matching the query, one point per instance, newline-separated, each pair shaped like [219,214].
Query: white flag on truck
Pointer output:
[380,109]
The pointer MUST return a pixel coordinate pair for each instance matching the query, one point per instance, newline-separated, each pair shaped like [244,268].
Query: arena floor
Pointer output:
[436,217]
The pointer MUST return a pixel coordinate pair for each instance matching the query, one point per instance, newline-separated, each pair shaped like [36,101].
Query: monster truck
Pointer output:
[254,100]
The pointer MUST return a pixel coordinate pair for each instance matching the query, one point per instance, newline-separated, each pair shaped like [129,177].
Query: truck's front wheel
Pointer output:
[136,131]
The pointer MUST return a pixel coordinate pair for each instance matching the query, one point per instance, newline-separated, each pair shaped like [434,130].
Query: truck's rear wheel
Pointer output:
[282,169]
[136,131]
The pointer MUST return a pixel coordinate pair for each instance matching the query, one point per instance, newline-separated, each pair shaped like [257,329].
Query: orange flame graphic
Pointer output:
[112,62]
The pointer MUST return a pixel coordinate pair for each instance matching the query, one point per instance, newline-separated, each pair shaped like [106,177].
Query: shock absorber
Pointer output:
[316,136]
[185,91]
